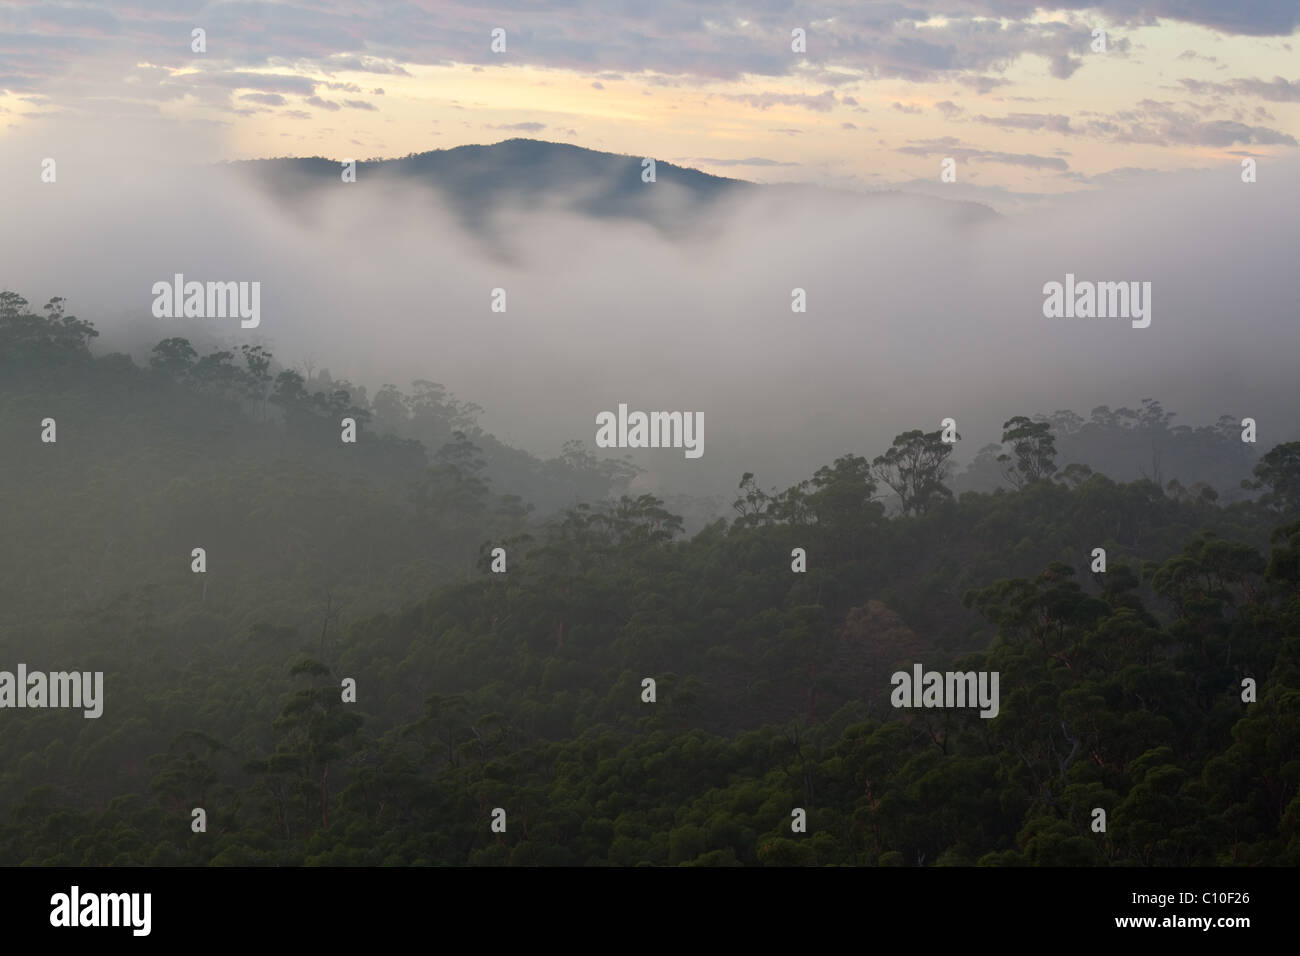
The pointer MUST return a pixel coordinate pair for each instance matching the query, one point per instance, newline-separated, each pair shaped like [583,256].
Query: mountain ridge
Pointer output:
[476,179]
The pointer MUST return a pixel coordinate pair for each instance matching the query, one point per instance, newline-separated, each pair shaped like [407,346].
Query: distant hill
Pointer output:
[475,181]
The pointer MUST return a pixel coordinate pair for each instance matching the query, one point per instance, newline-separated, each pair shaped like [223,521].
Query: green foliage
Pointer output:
[475,690]
[915,467]
[1034,449]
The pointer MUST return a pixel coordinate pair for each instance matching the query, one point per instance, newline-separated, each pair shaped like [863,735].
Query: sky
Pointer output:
[882,93]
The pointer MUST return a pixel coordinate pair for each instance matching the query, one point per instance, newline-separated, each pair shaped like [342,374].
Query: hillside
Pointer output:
[524,688]
[525,174]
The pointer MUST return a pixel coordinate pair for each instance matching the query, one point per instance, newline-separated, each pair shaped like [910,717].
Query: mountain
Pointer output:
[478,181]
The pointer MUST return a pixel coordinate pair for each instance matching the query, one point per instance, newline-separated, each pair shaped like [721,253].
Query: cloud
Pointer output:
[1127,176]
[1150,122]
[704,320]
[1230,133]
[997,197]
[822,102]
[266,82]
[982,84]
[1162,124]
[266,99]
[1277,90]
[1063,67]
[1048,122]
[521,127]
[751,161]
[366,64]
[950,146]
[977,47]
[1245,17]
[42,42]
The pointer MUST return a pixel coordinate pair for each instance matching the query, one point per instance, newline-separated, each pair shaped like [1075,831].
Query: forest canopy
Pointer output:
[523,688]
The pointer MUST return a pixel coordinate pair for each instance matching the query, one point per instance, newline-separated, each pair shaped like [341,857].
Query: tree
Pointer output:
[1279,472]
[984,472]
[635,523]
[174,357]
[312,724]
[12,305]
[217,372]
[54,337]
[753,503]
[257,376]
[1075,474]
[915,467]
[431,401]
[845,489]
[1034,448]
[612,473]
[392,409]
